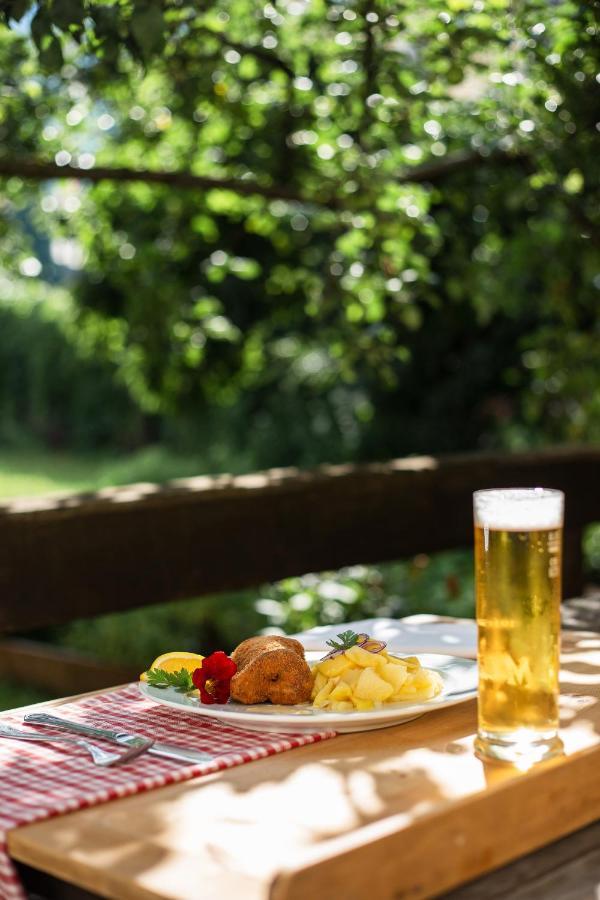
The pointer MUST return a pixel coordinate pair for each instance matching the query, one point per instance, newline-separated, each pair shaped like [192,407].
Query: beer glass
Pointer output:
[518,548]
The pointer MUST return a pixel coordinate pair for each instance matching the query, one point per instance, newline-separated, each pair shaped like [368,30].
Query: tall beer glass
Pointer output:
[518,549]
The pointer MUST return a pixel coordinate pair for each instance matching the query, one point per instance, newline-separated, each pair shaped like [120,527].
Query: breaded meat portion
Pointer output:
[271,668]
[250,648]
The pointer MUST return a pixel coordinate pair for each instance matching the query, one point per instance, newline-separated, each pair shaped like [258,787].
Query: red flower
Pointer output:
[213,678]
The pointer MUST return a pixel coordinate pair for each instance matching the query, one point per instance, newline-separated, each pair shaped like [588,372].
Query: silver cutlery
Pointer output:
[124,738]
[99,756]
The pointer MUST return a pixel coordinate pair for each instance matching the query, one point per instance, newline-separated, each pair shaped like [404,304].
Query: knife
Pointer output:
[121,737]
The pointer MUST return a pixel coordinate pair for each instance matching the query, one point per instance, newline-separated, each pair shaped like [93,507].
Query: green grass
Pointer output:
[13,695]
[24,474]
[30,472]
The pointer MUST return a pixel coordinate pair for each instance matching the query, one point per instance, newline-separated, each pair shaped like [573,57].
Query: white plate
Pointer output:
[460,683]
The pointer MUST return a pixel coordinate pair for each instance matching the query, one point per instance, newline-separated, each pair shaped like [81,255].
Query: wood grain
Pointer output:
[75,556]
[577,880]
[404,812]
[568,868]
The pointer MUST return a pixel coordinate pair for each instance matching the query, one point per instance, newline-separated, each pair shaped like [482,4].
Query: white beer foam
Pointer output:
[519,509]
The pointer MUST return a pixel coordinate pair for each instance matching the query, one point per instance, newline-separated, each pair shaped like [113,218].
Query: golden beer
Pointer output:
[518,547]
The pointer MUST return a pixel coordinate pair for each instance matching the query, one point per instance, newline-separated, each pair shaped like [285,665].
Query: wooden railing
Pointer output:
[74,556]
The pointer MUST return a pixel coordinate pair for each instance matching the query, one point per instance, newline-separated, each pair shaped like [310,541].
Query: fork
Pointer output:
[99,756]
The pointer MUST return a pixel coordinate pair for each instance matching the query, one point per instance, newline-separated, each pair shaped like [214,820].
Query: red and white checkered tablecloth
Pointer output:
[38,781]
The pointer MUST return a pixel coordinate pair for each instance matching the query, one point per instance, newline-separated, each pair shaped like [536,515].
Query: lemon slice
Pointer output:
[174,661]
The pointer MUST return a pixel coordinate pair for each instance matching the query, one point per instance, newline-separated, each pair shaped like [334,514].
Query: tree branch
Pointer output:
[41,171]
[267,56]
[329,198]
[437,169]
[368,65]
[369,54]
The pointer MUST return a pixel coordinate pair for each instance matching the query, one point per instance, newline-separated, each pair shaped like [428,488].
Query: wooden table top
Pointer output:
[403,812]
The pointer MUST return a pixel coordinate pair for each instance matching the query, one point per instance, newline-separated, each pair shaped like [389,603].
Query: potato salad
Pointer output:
[361,679]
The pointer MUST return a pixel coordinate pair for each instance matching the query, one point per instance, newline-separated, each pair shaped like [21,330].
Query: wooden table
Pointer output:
[404,812]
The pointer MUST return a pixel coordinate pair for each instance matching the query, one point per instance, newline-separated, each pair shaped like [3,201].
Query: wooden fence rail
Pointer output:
[77,556]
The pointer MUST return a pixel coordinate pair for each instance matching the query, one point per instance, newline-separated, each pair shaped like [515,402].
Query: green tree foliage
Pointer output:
[398,227]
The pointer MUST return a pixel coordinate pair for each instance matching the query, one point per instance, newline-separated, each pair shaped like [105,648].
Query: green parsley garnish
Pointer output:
[181,681]
[347,639]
